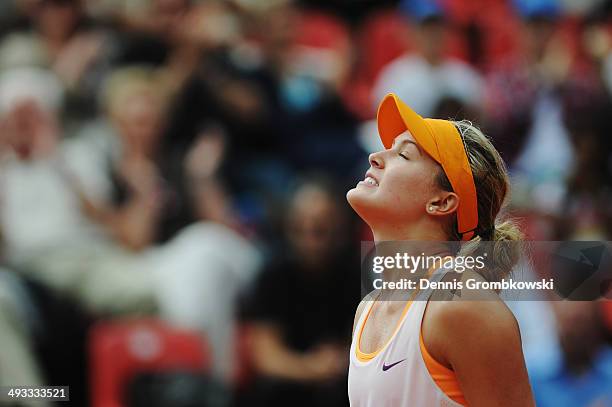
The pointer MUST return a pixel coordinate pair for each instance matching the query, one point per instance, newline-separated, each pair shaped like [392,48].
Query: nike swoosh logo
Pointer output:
[387,367]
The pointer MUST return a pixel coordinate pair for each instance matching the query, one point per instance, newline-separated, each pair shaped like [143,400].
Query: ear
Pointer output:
[443,204]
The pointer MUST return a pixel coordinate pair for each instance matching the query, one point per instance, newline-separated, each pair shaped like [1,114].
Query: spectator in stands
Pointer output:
[71,46]
[279,117]
[426,76]
[53,242]
[30,100]
[78,242]
[586,213]
[36,212]
[136,198]
[584,373]
[300,308]
[525,96]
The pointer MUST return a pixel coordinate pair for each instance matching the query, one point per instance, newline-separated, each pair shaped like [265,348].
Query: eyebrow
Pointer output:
[404,141]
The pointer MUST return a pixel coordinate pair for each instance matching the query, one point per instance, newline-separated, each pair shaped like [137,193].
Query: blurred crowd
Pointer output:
[187,160]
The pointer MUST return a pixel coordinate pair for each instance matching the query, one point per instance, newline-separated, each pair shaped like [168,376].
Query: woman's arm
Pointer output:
[480,341]
[134,223]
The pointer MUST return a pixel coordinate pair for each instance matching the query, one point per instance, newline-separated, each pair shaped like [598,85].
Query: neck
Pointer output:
[412,249]
[421,232]
[411,260]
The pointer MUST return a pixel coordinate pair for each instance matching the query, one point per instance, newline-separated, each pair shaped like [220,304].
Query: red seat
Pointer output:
[120,349]
[321,30]
[383,37]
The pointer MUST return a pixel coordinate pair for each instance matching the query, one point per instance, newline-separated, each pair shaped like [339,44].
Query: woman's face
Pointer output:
[398,185]
[140,122]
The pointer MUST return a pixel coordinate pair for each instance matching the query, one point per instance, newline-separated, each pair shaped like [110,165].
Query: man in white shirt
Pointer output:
[426,76]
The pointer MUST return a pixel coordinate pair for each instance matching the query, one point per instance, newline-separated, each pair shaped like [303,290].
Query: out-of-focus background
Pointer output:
[172,179]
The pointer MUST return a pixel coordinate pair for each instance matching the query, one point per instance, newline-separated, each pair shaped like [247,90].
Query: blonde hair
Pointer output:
[125,82]
[492,190]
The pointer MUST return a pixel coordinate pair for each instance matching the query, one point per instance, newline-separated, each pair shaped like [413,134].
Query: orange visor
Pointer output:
[442,141]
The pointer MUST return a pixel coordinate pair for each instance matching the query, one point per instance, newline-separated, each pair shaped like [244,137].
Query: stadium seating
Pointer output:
[119,350]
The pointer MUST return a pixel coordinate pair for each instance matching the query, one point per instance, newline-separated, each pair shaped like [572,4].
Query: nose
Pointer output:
[376,160]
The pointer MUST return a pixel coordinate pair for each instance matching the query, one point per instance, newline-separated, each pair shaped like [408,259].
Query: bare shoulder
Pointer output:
[477,322]
[471,320]
[478,337]
[472,316]
[473,311]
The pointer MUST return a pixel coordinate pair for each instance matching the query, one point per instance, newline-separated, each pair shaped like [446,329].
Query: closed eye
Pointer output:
[404,156]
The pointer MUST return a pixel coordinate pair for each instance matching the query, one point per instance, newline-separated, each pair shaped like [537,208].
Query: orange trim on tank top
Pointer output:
[364,356]
[445,378]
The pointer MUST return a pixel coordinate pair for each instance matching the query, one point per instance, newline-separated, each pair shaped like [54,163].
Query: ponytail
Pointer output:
[499,239]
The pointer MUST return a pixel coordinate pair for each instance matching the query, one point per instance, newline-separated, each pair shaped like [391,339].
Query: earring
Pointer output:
[431,209]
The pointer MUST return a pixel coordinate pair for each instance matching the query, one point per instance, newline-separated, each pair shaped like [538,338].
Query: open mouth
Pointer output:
[369,181]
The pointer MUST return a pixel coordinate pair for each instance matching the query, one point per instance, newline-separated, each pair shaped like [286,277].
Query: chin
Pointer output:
[353,196]
[360,201]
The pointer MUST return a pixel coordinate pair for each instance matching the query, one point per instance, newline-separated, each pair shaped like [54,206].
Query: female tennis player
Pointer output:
[436,181]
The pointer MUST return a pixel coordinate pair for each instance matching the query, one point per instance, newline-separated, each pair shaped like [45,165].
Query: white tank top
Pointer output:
[397,375]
